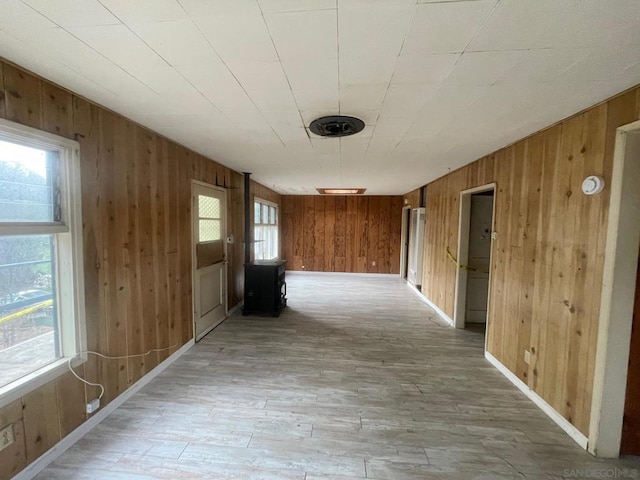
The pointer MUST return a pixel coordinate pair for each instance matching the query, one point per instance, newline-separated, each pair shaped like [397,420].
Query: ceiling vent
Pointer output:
[336,126]
[340,191]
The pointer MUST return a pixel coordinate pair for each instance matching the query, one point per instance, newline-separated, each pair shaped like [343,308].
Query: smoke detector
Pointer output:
[336,126]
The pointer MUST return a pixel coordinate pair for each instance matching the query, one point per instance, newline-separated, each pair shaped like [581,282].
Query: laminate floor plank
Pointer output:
[357,379]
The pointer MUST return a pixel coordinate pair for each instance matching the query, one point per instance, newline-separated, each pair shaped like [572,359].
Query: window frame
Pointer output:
[68,255]
[277,227]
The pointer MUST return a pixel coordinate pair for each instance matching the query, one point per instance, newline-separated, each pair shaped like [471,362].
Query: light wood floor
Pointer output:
[356,379]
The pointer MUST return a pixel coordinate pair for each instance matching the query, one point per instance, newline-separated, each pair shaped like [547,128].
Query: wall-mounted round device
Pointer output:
[592,185]
[336,126]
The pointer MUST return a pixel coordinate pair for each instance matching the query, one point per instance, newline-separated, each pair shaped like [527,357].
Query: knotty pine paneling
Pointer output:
[547,261]
[342,234]
[136,190]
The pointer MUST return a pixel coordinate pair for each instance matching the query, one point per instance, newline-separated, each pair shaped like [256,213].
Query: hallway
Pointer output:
[356,379]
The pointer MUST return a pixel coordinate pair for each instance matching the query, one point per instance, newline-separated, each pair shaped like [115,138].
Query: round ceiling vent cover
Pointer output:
[336,126]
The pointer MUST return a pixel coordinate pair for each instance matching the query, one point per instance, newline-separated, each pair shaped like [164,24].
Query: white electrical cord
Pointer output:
[109,357]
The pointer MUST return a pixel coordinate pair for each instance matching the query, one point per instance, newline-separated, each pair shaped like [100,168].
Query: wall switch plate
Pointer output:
[6,437]
[527,357]
[373,264]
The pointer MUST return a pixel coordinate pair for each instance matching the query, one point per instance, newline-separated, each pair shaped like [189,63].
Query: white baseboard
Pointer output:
[562,422]
[351,274]
[438,311]
[67,442]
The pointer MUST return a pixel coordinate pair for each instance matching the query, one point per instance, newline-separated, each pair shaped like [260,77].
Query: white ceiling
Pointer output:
[438,83]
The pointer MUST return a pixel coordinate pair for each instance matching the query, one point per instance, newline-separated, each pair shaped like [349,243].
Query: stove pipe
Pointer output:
[247,217]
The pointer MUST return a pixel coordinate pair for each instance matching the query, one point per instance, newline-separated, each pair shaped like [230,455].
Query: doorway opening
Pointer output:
[474,258]
[630,443]
[209,253]
[616,393]
[404,248]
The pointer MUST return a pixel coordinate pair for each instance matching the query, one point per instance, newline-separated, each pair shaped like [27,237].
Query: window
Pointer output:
[265,230]
[209,219]
[41,286]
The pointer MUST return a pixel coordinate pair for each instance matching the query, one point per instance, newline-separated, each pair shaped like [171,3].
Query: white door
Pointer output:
[479,257]
[209,257]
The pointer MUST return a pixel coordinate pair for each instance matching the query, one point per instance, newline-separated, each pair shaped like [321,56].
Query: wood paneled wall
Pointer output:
[547,262]
[412,199]
[136,190]
[342,234]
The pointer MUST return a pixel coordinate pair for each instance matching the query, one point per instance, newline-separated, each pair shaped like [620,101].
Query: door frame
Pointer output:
[194,262]
[616,301]
[462,256]
[404,242]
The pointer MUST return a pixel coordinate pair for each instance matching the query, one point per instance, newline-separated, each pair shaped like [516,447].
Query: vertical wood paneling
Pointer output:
[412,199]
[318,232]
[14,457]
[309,233]
[395,232]
[547,261]
[373,225]
[136,201]
[69,397]
[41,416]
[384,237]
[351,232]
[342,234]
[23,99]
[362,234]
[329,234]
[297,226]
[56,110]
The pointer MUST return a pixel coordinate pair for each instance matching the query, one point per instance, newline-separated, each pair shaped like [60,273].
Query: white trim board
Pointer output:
[439,312]
[562,422]
[67,442]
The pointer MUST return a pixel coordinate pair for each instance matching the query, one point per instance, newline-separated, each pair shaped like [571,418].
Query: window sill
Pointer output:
[37,379]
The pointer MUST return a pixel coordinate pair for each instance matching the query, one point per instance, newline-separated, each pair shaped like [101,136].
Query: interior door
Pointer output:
[209,253]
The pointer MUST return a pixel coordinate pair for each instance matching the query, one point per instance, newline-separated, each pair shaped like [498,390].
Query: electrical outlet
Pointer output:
[527,357]
[373,264]
[6,437]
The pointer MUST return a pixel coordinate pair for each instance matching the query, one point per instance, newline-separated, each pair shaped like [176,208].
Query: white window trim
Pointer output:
[277,225]
[69,255]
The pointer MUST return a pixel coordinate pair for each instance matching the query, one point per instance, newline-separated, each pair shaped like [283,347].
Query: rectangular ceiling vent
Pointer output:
[341,191]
